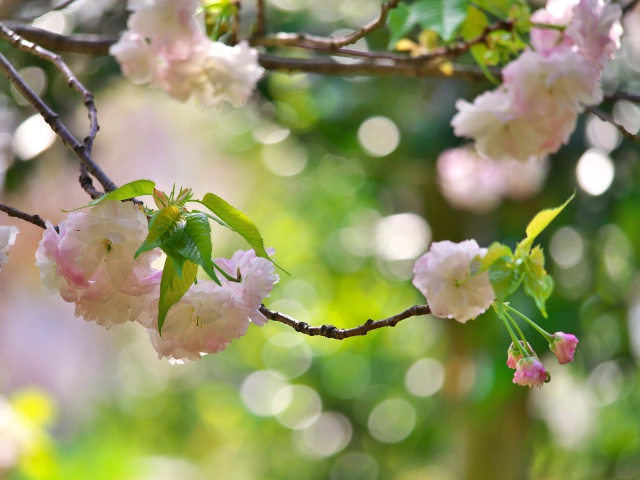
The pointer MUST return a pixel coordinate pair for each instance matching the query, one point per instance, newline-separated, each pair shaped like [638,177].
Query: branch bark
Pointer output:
[14,212]
[330,331]
[609,119]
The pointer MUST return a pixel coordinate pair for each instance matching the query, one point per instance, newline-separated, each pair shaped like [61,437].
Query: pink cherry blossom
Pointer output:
[564,346]
[443,276]
[563,80]
[7,239]
[204,321]
[530,373]
[546,40]
[137,60]
[165,21]
[257,276]
[595,29]
[90,262]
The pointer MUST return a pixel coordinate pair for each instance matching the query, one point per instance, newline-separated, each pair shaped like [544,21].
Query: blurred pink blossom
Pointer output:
[478,184]
[514,354]
[443,276]
[7,239]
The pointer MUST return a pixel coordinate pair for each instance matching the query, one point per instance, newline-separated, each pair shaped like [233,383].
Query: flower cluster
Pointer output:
[450,277]
[443,275]
[166,46]
[7,239]
[534,111]
[472,182]
[89,260]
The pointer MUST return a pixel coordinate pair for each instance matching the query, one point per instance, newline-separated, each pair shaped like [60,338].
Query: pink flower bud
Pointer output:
[530,373]
[564,346]
[514,355]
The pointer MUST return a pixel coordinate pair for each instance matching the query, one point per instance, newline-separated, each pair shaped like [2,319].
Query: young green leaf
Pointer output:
[540,222]
[494,252]
[163,224]
[173,287]
[505,277]
[133,189]
[238,221]
[400,23]
[194,242]
[537,283]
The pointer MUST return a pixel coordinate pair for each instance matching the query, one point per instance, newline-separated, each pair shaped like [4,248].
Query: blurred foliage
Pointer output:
[429,399]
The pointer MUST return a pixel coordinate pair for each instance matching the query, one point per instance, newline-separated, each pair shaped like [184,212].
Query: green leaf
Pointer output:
[173,287]
[505,277]
[238,221]
[125,192]
[441,16]
[474,24]
[537,283]
[540,222]
[501,9]
[399,23]
[163,224]
[494,252]
[193,242]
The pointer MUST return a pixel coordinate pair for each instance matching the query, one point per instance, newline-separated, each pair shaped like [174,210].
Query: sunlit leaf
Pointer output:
[540,222]
[537,283]
[494,252]
[505,276]
[173,287]
[238,221]
[399,23]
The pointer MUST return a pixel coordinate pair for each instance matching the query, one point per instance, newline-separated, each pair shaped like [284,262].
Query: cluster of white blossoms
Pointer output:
[443,275]
[165,45]
[7,239]
[89,261]
[534,111]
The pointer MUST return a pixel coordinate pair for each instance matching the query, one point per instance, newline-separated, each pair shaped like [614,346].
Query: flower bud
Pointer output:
[564,346]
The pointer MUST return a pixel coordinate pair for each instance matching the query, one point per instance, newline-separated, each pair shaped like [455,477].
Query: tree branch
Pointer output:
[329,331]
[14,212]
[608,118]
[81,150]
[261,19]
[630,97]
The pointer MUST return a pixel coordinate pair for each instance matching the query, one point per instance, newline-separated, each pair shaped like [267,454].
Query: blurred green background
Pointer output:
[343,178]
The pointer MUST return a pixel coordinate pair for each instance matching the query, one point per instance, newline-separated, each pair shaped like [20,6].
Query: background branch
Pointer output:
[81,150]
[14,212]
[608,118]
[330,331]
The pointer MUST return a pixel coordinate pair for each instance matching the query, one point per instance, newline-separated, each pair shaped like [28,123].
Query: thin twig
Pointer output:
[14,212]
[608,118]
[629,6]
[87,184]
[18,42]
[55,123]
[261,19]
[329,331]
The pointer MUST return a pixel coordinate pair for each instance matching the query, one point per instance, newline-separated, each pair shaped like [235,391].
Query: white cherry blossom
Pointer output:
[7,239]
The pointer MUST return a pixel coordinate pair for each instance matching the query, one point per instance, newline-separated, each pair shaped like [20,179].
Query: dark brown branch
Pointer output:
[97,45]
[18,42]
[366,68]
[261,19]
[608,118]
[329,331]
[81,150]
[87,183]
[629,6]
[14,212]
[630,97]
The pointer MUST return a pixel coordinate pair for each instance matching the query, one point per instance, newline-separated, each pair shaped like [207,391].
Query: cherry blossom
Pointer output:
[443,275]
[7,239]
[204,321]
[257,276]
[530,373]
[564,346]
[90,262]
[166,46]
[515,354]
